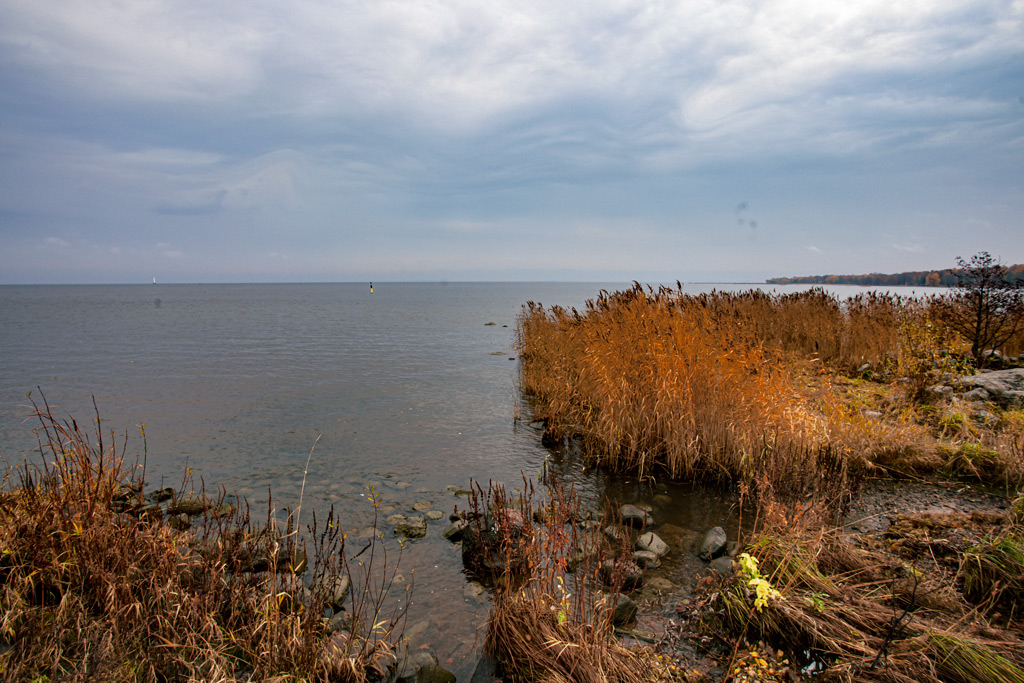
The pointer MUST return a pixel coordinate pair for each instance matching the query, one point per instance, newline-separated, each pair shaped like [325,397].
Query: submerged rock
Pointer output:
[190,505]
[636,516]
[422,667]
[412,527]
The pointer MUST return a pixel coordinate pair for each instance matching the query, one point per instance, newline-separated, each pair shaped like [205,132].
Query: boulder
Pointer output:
[714,544]
[1006,387]
[653,543]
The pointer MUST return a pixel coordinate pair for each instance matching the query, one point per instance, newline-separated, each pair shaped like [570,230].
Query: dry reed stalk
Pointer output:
[551,617]
[95,587]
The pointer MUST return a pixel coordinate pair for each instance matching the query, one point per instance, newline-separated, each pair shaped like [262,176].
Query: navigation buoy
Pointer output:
[371,288]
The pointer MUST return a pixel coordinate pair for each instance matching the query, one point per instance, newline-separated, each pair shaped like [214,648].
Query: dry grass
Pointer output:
[736,386]
[551,619]
[866,614]
[94,585]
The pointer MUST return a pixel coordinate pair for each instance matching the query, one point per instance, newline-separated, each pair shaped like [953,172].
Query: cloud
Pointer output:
[401,125]
[909,248]
[813,249]
[57,242]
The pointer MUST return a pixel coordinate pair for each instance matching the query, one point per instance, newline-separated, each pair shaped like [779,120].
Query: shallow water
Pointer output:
[408,388]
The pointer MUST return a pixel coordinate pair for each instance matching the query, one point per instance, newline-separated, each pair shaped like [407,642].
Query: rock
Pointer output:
[588,548]
[984,417]
[636,516]
[422,506]
[475,591]
[190,505]
[941,390]
[1004,386]
[626,571]
[623,611]
[297,563]
[551,438]
[723,565]
[486,670]
[412,527]
[422,667]
[653,543]
[150,511]
[339,623]
[713,545]
[395,519]
[866,367]
[179,522]
[663,500]
[646,559]
[336,589]
[433,515]
[161,495]
[979,394]
[222,510]
[455,530]
[659,584]
[488,548]
[617,533]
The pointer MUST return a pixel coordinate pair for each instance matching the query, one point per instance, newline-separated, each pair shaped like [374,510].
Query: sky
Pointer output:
[605,140]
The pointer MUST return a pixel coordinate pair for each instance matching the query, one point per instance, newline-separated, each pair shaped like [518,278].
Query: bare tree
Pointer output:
[987,307]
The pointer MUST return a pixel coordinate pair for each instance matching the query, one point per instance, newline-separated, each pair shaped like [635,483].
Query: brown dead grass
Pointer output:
[868,614]
[95,586]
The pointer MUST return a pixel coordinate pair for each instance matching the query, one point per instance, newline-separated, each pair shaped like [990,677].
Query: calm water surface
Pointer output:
[407,385]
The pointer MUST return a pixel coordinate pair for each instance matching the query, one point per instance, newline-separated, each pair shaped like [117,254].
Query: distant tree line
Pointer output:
[949,277]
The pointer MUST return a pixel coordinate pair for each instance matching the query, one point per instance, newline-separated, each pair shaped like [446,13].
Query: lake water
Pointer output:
[410,385]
